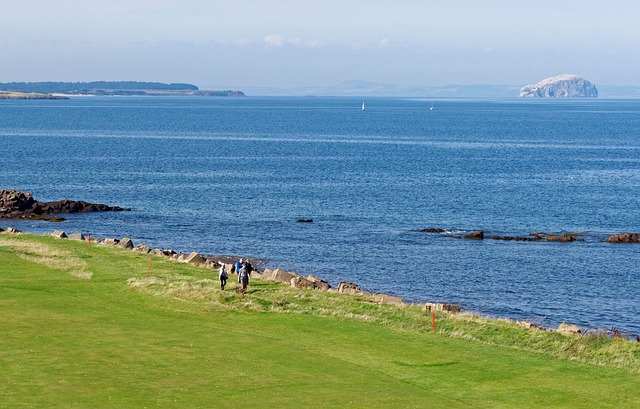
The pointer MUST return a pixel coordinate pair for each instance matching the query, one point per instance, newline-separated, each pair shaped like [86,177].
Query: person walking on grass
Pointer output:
[249,267]
[245,274]
[223,275]
[238,267]
[243,278]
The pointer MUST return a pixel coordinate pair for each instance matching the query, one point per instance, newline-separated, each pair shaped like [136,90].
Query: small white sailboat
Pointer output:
[363,107]
[431,108]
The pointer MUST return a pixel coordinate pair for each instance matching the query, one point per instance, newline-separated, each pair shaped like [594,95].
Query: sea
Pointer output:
[230,176]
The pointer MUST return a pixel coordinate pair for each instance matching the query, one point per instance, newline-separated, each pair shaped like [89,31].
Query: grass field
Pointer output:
[86,327]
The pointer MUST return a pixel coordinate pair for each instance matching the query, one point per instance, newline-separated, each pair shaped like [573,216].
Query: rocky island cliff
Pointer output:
[21,205]
[562,86]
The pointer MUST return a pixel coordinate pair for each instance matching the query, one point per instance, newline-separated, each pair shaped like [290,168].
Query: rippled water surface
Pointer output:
[231,176]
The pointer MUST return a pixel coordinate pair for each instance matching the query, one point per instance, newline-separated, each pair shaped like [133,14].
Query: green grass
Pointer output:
[85,327]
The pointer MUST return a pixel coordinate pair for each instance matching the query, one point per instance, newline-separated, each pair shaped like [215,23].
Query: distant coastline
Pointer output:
[29,95]
[63,90]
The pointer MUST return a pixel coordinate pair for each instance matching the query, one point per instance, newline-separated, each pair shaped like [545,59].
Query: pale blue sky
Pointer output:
[281,43]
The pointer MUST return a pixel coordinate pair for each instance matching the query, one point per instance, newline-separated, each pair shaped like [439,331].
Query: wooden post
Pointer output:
[89,239]
[149,270]
[433,321]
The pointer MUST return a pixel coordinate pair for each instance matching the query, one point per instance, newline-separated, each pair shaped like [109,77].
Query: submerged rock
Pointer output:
[476,235]
[561,238]
[433,230]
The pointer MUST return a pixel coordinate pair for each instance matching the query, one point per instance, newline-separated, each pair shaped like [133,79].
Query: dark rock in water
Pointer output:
[515,238]
[562,238]
[433,230]
[22,205]
[624,238]
[558,238]
[476,235]
[304,221]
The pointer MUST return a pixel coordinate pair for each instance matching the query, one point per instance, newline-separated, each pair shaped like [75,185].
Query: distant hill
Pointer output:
[366,88]
[91,87]
[374,89]
[113,88]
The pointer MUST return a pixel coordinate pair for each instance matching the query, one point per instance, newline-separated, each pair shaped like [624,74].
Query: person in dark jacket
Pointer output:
[223,275]
[245,274]
[239,264]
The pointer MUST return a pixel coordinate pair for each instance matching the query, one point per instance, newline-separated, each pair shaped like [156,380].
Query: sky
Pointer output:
[287,43]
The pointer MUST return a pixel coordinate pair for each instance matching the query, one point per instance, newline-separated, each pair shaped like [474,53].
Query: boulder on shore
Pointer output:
[570,329]
[195,259]
[110,241]
[142,248]
[125,243]
[76,236]
[279,275]
[387,299]
[319,284]
[301,282]
[59,234]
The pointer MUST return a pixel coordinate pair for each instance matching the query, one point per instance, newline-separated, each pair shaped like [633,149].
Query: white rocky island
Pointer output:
[562,86]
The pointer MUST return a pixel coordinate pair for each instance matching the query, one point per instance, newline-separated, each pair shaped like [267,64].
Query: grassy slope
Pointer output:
[75,334]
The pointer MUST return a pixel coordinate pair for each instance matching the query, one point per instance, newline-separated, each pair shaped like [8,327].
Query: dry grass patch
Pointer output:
[52,257]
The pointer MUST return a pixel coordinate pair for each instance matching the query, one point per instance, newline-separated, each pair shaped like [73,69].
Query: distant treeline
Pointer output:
[92,87]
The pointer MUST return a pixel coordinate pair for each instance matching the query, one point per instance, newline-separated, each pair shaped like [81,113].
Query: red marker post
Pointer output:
[149,270]
[433,322]
[89,239]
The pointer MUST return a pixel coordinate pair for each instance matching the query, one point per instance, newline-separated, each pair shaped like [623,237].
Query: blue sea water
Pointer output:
[231,176]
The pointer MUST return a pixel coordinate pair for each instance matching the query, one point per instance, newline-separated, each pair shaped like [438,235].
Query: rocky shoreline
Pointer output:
[310,282]
[21,205]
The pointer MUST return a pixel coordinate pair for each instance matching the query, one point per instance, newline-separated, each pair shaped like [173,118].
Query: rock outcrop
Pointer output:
[22,205]
[476,235]
[624,238]
[432,230]
[562,86]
